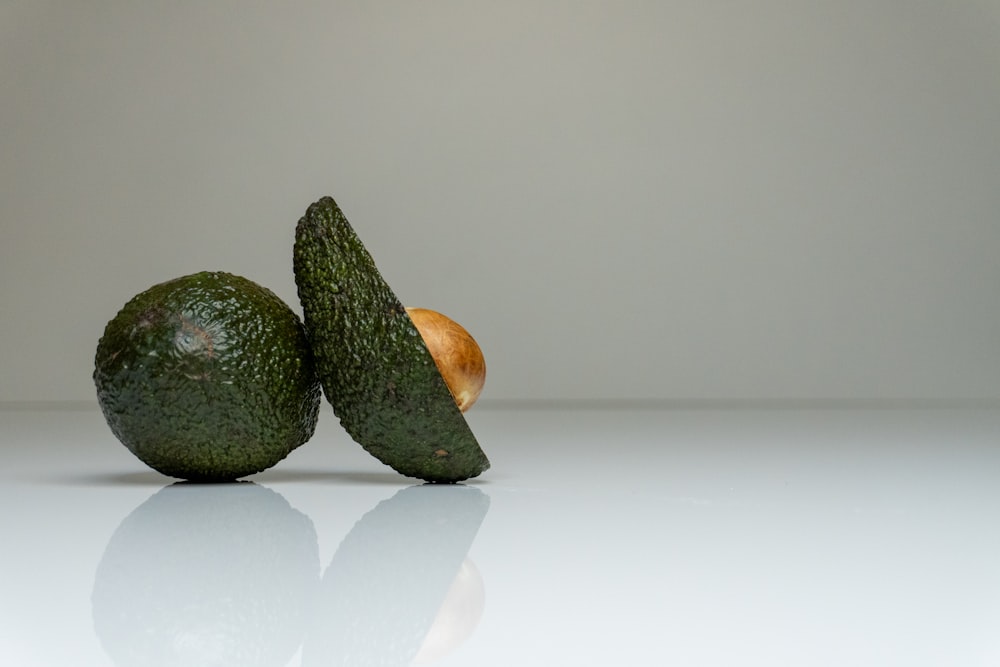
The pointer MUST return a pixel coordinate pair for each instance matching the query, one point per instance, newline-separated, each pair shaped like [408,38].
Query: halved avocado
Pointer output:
[373,365]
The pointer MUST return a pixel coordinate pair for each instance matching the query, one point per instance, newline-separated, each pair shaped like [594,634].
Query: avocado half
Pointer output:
[373,365]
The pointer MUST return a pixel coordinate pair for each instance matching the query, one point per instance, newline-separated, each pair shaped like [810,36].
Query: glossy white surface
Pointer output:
[601,537]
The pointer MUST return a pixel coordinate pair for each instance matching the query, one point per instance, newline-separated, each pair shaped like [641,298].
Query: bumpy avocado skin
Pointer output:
[375,369]
[207,377]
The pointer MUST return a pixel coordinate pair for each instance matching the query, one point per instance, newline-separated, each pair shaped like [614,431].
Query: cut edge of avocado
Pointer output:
[375,368]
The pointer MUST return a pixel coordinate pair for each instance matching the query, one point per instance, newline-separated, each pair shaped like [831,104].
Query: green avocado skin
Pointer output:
[207,377]
[374,367]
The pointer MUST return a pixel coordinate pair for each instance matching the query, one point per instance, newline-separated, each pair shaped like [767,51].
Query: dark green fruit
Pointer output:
[207,377]
[375,368]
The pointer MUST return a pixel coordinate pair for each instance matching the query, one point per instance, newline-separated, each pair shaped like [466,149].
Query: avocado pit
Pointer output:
[458,357]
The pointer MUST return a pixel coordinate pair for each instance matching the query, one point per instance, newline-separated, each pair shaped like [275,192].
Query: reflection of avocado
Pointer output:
[207,377]
[207,575]
[385,585]
[375,368]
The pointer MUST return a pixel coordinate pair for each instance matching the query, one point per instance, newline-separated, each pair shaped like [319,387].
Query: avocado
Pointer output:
[207,377]
[375,368]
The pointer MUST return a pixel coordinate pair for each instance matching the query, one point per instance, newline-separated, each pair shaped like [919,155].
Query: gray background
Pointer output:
[655,200]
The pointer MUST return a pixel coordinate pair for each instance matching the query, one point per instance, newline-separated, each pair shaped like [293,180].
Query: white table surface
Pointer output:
[599,537]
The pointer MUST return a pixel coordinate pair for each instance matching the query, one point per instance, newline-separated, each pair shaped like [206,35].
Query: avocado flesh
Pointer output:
[374,367]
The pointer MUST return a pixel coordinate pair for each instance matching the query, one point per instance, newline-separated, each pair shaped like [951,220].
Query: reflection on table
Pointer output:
[229,574]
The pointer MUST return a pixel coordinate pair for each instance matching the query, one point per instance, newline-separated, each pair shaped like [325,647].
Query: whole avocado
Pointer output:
[207,377]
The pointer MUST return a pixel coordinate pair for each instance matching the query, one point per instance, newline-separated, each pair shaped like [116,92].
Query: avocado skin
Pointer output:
[207,377]
[373,365]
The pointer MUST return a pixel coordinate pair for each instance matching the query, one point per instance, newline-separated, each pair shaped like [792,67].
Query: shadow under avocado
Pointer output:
[207,575]
[367,477]
[382,593]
